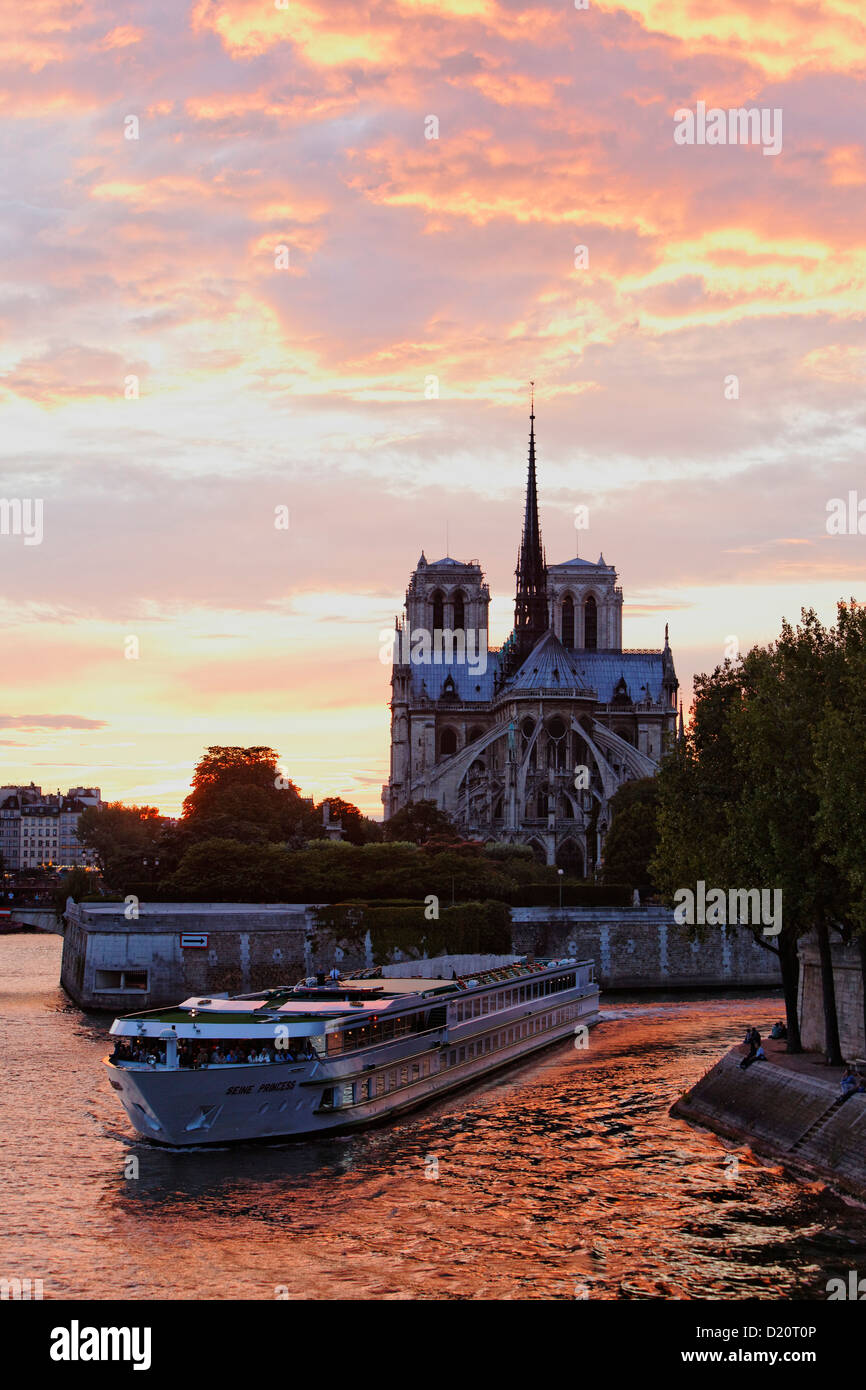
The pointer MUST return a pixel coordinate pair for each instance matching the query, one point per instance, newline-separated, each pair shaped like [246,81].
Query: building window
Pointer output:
[438,611]
[459,611]
[590,624]
[448,742]
[568,622]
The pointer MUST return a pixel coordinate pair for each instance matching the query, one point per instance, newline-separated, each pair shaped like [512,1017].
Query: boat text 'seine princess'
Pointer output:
[337,1054]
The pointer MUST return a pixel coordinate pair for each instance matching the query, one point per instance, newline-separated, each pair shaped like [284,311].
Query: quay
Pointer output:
[788,1107]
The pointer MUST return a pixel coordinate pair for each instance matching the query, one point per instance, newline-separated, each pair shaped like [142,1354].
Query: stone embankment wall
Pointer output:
[246,947]
[848,981]
[783,1113]
[117,964]
[644,948]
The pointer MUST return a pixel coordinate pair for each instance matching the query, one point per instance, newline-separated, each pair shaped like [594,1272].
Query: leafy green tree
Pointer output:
[421,821]
[357,828]
[773,831]
[631,841]
[121,837]
[224,870]
[77,884]
[240,794]
[738,799]
[840,773]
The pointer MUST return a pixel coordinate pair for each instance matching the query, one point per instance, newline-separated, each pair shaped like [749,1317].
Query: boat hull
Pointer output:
[242,1103]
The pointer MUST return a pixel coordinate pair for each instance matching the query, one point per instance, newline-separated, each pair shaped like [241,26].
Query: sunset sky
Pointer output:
[304,387]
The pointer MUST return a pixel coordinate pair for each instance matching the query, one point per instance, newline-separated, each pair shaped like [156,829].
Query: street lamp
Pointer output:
[560,872]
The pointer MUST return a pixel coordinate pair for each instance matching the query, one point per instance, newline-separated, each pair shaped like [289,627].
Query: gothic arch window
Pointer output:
[459,611]
[570,858]
[556,741]
[590,623]
[475,732]
[448,742]
[438,602]
[568,622]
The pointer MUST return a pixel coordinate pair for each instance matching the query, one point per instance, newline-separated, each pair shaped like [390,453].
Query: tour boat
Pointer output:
[336,1054]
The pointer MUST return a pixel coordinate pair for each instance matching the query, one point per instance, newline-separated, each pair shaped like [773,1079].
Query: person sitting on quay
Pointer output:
[779,1031]
[753,1041]
[852,1083]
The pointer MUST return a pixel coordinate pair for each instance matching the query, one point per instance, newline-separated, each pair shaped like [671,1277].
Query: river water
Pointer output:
[565,1178]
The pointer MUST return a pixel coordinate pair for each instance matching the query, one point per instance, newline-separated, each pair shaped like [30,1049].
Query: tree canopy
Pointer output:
[751,798]
[631,841]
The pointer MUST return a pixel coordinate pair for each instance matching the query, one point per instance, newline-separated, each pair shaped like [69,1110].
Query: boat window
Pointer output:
[347,1093]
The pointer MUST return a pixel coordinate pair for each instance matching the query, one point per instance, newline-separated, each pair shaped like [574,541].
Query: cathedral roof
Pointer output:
[471,685]
[643,673]
[579,563]
[549,667]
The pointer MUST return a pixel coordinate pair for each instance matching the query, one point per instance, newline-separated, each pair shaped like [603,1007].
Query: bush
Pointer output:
[466,929]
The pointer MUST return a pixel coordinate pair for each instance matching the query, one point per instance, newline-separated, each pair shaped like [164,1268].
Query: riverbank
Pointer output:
[786,1107]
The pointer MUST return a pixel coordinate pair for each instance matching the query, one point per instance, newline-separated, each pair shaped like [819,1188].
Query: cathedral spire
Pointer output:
[530,604]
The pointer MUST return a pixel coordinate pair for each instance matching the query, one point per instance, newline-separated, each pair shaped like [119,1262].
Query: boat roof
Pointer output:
[363,991]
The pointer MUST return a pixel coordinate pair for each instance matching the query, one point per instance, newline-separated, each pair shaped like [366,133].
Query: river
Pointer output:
[564,1178]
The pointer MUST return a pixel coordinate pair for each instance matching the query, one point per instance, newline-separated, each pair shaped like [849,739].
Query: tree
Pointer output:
[223,870]
[840,773]
[773,831]
[240,794]
[77,884]
[738,798]
[421,821]
[631,841]
[121,837]
[357,828]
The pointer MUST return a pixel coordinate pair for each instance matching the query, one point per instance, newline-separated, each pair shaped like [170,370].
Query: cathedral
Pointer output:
[526,742]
